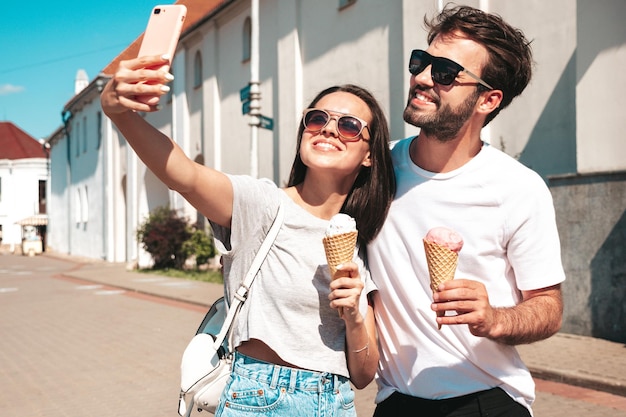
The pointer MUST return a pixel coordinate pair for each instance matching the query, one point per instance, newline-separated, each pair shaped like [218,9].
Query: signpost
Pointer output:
[244,93]
[266,122]
[244,96]
[245,107]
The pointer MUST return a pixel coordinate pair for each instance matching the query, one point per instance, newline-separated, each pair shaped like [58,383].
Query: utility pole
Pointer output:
[255,91]
[250,94]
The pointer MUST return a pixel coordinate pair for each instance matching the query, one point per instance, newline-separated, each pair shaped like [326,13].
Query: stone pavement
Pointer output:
[576,360]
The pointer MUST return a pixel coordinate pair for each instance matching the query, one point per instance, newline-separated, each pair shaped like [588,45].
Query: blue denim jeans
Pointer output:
[257,387]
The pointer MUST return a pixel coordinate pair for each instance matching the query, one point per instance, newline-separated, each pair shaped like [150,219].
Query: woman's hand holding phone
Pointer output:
[139,83]
[134,85]
[160,38]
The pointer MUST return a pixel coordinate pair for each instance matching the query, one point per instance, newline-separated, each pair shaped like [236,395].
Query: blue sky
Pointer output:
[44,43]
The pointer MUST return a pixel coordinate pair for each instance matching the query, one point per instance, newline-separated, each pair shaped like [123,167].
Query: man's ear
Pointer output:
[490,100]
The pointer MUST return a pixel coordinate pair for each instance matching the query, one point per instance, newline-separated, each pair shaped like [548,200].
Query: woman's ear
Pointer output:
[367,161]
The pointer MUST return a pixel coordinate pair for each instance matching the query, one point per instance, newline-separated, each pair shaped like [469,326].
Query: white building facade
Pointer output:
[21,197]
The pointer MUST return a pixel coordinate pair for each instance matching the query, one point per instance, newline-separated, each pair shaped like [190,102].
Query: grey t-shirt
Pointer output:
[287,307]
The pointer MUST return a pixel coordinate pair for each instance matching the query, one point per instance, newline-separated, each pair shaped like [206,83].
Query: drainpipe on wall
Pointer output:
[102,151]
[66,117]
[44,229]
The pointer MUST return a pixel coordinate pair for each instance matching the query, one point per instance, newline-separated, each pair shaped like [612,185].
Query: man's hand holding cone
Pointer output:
[442,248]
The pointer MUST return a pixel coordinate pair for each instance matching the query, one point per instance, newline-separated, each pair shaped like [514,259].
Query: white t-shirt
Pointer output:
[288,306]
[505,214]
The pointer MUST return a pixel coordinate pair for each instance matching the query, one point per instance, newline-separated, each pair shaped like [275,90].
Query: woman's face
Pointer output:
[327,149]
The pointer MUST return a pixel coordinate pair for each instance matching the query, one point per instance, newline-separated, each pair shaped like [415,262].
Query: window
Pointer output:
[197,70]
[247,39]
[81,209]
[77,138]
[84,134]
[99,132]
[42,196]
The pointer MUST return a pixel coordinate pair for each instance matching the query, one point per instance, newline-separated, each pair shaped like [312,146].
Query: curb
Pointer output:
[573,378]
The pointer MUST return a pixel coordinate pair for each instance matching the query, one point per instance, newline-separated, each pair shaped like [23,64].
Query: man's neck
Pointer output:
[434,155]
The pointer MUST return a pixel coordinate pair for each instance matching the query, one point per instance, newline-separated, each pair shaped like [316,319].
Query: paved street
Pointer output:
[71,347]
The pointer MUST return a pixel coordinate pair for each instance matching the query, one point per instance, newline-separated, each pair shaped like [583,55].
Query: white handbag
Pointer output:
[207,359]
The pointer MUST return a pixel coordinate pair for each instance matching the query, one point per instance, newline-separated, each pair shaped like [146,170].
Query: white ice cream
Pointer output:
[340,223]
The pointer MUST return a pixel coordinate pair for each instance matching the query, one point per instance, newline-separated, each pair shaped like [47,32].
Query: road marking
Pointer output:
[109,292]
[88,287]
[7,289]
[46,268]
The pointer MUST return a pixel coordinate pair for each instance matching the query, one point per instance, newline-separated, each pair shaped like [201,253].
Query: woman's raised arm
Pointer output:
[208,190]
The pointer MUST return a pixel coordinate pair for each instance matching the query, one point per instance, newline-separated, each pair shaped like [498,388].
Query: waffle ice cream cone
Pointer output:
[442,248]
[339,249]
[340,242]
[441,263]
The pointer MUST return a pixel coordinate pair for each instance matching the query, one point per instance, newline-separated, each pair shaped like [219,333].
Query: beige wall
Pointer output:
[600,90]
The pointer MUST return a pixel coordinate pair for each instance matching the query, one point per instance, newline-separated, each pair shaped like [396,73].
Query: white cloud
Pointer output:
[6,89]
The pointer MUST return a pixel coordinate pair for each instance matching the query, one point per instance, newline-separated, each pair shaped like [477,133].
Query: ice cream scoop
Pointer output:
[445,237]
[339,241]
[340,223]
[442,246]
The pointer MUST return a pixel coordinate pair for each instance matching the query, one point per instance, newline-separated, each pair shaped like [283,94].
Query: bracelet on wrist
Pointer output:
[366,347]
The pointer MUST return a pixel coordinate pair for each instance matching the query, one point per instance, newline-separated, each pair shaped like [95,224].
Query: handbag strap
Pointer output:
[242,292]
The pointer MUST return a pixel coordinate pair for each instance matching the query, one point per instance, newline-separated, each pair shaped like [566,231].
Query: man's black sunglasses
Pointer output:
[444,70]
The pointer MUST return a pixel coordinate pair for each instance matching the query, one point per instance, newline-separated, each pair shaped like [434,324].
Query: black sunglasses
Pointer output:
[349,127]
[444,70]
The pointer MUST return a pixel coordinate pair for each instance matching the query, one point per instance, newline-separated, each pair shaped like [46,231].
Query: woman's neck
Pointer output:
[320,201]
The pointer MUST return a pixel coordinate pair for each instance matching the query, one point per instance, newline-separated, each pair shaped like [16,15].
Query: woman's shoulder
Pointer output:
[248,183]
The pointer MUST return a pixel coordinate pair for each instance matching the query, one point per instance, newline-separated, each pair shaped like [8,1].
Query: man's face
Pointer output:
[441,111]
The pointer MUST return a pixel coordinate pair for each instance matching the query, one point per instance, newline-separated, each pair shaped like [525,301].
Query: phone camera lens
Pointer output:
[157,11]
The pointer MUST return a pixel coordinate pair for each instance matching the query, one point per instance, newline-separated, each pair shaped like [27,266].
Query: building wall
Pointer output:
[600,121]
[592,205]
[20,195]
[59,232]
[592,226]
[539,127]
[79,207]
[86,191]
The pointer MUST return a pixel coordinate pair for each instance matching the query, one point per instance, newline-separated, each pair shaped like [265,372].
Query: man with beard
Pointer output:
[507,286]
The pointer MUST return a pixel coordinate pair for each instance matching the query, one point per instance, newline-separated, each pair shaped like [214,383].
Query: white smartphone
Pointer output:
[161,36]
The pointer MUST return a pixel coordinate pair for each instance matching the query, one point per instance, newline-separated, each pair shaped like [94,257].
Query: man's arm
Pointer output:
[537,317]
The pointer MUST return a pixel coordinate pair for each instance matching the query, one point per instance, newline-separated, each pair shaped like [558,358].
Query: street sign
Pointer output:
[245,107]
[266,122]
[244,94]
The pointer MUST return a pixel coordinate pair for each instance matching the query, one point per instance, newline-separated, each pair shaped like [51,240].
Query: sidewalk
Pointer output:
[576,360]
